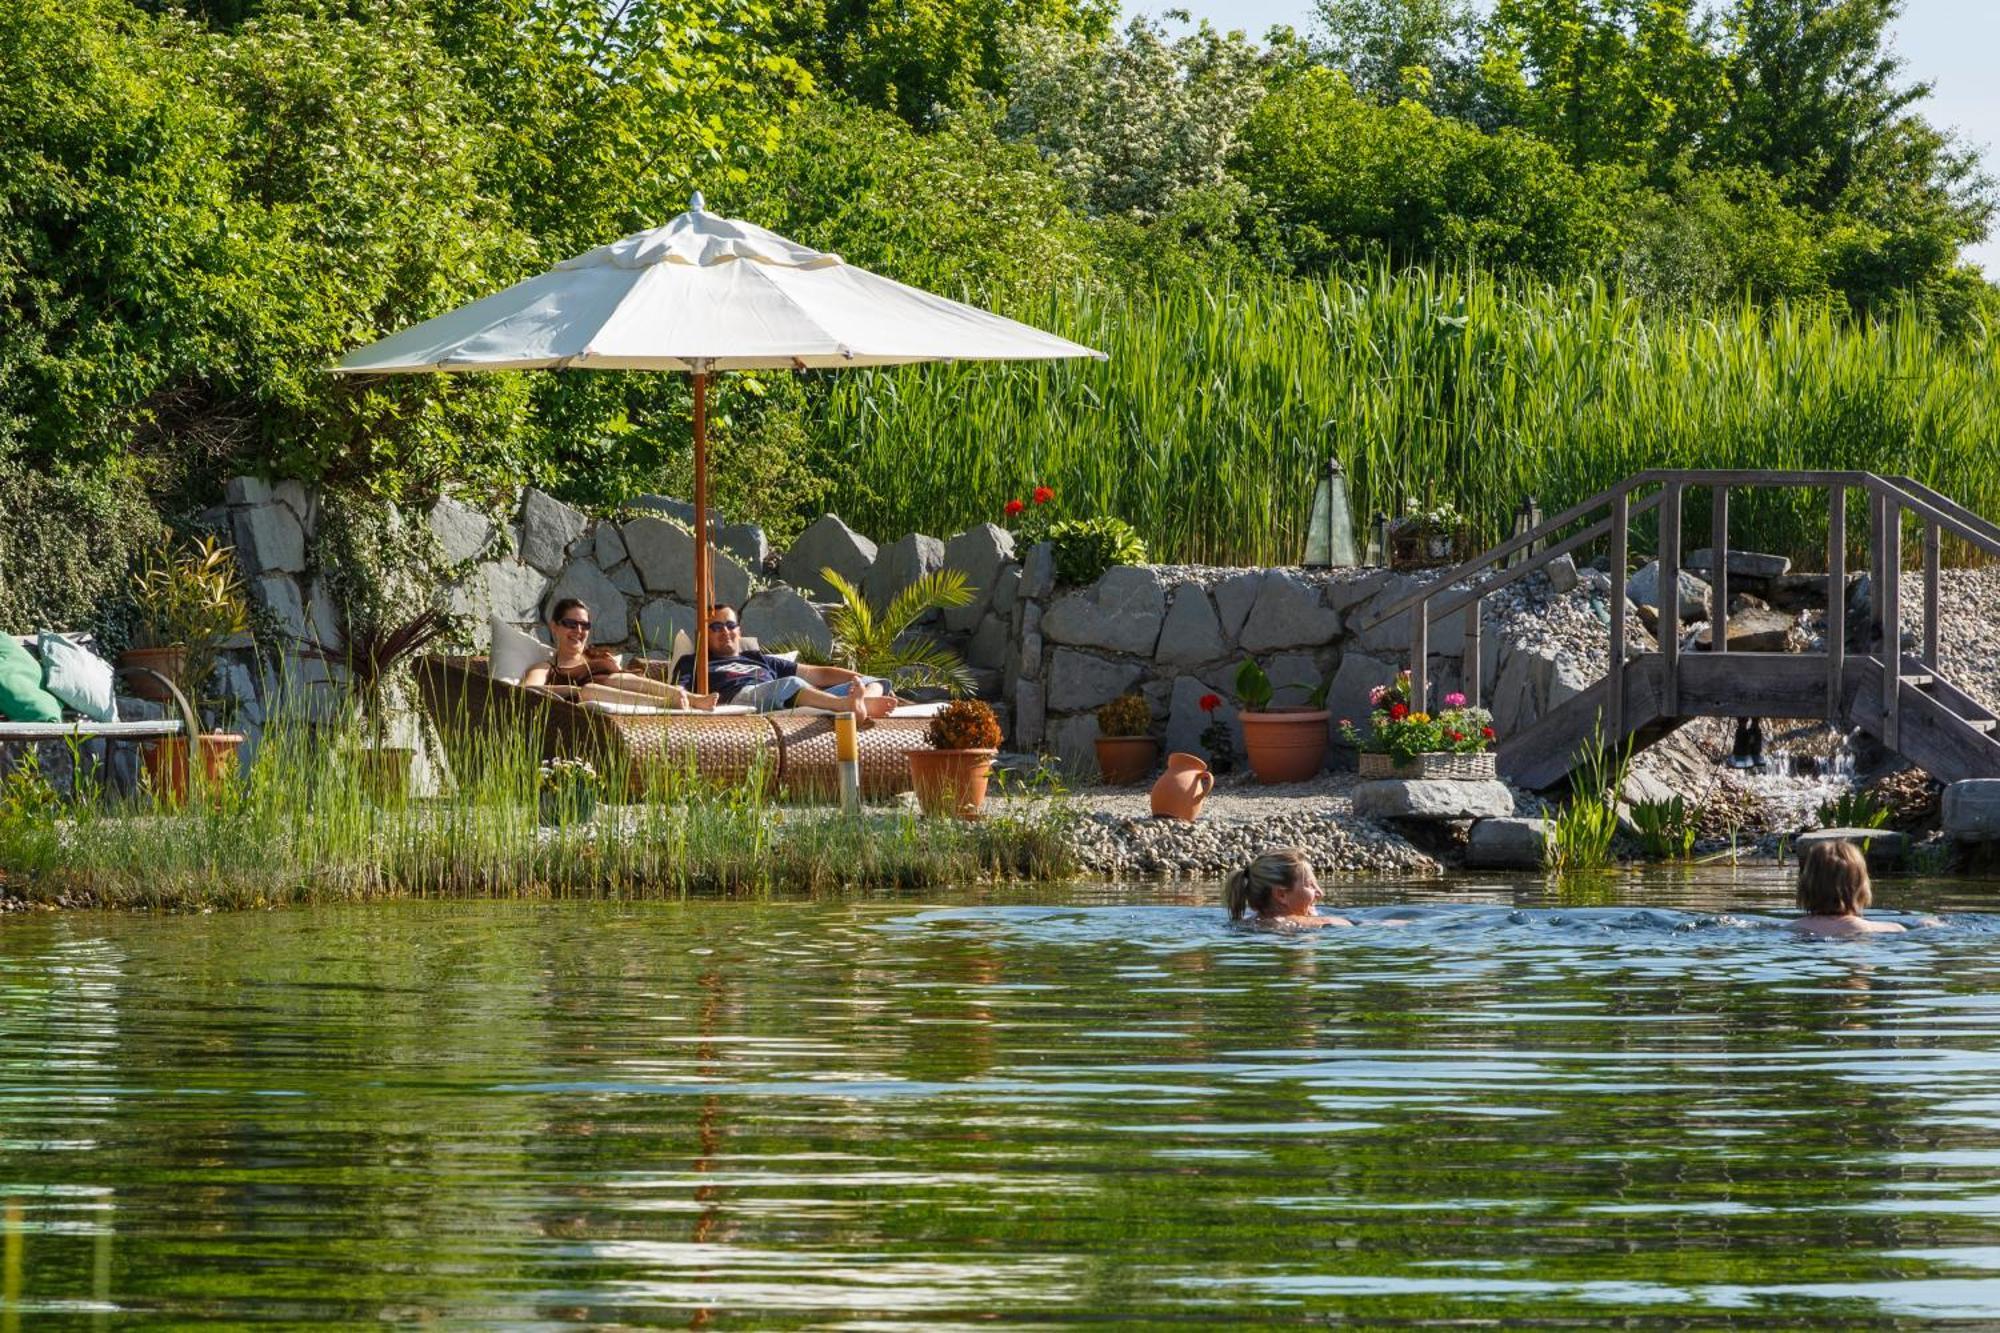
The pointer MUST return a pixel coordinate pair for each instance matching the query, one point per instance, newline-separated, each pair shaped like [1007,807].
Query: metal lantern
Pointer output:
[1330,531]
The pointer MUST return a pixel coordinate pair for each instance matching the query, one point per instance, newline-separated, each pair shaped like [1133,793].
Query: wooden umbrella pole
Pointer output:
[701,531]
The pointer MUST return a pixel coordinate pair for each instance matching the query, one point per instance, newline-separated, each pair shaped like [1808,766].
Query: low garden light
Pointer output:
[1330,530]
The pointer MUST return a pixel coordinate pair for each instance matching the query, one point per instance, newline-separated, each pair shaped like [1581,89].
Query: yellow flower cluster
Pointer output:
[1420,717]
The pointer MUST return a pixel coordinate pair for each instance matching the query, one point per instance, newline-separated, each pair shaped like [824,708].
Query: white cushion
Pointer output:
[80,678]
[514,652]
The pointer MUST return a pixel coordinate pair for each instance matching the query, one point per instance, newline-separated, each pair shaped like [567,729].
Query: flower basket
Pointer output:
[1438,764]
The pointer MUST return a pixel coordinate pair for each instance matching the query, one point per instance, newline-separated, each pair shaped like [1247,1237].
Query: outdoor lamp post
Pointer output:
[1330,530]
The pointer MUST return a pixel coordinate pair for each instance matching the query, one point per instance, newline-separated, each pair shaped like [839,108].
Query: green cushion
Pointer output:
[22,698]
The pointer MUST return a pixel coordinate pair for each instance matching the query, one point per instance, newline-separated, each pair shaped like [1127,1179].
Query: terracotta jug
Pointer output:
[1183,787]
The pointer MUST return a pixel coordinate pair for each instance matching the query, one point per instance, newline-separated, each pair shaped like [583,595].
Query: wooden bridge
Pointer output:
[1874,684]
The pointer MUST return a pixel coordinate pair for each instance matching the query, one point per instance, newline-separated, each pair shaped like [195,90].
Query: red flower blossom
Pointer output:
[1210,702]
[1454,735]
[1487,732]
[1397,712]
[1014,507]
[1043,495]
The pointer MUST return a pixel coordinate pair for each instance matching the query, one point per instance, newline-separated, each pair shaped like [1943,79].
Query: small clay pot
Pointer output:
[1183,787]
[951,782]
[1124,760]
[1285,744]
[167,763]
[169,662]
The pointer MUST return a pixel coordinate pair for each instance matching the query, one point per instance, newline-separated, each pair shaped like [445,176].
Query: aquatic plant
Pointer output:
[1853,809]
[1666,828]
[1582,831]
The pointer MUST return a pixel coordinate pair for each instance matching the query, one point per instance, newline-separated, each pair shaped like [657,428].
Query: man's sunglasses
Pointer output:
[724,624]
[571,622]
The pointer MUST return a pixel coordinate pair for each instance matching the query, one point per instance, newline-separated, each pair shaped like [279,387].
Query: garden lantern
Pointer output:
[1330,530]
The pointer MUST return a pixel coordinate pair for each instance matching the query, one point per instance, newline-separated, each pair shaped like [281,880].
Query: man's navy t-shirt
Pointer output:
[728,676]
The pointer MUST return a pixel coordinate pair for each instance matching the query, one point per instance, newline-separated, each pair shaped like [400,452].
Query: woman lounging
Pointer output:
[575,662]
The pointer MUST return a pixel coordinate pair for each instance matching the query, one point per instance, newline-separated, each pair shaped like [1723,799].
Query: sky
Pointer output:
[1946,43]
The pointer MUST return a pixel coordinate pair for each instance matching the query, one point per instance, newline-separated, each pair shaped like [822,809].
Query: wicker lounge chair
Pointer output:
[796,747]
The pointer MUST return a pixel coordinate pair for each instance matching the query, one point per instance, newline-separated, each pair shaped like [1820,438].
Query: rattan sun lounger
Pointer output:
[795,747]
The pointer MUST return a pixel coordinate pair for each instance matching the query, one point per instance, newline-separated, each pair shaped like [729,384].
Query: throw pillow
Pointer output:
[78,677]
[22,698]
[514,652]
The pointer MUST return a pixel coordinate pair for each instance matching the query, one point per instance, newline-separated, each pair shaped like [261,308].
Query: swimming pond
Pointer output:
[1642,1104]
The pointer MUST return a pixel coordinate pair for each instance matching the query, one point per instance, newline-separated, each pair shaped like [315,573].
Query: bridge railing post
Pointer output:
[1614,678]
[1933,551]
[1718,570]
[1473,656]
[1892,620]
[1669,632]
[1836,599]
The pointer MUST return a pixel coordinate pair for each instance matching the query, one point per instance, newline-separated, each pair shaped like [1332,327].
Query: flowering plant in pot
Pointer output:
[1215,736]
[1409,742]
[1282,743]
[950,777]
[1125,753]
[567,791]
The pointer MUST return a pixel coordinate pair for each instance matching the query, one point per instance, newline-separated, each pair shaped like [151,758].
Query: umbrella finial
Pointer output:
[696,203]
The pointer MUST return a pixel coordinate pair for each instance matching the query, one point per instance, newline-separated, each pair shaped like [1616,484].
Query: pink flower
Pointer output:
[1375,695]
[1454,700]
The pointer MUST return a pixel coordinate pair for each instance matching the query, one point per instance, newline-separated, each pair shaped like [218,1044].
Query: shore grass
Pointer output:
[1218,407]
[305,826]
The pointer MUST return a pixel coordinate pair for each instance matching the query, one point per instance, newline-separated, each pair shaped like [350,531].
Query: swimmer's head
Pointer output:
[1278,883]
[1833,880]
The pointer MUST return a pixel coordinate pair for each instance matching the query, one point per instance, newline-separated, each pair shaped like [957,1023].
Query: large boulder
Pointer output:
[679,510]
[608,546]
[900,564]
[1288,613]
[271,539]
[1643,588]
[658,622]
[827,544]
[609,623]
[1742,564]
[1030,714]
[1234,597]
[1432,799]
[1753,631]
[778,616]
[278,594]
[548,526]
[747,543]
[508,589]
[1084,680]
[989,644]
[1185,719]
[1972,810]
[663,554]
[1348,696]
[1507,843]
[980,553]
[1191,633]
[463,533]
[1122,612]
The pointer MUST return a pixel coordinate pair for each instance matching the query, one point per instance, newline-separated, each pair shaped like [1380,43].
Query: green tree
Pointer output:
[1424,50]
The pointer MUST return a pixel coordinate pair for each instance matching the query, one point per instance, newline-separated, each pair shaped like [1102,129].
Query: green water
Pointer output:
[1099,1108]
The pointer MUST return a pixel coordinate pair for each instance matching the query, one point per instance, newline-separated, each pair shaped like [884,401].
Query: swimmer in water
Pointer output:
[1278,889]
[1833,891]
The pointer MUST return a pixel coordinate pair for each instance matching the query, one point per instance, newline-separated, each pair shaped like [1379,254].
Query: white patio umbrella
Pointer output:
[702,294]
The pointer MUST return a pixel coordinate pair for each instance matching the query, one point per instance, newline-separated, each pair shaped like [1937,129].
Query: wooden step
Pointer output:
[1922,682]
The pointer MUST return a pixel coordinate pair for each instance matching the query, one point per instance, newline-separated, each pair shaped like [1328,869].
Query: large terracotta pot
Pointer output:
[1126,759]
[1183,787]
[167,763]
[951,782]
[1285,744]
[169,662]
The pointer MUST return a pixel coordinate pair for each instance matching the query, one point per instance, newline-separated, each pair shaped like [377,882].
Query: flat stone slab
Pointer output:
[1972,810]
[1754,631]
[1885,848]
[1432,799]
[1507,843]
[1742,564]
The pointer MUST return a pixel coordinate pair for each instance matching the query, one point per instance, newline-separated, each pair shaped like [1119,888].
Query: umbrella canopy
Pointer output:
[701,294]
[705,293]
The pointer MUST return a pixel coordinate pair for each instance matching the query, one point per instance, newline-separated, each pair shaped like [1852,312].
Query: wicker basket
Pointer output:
[1433,765]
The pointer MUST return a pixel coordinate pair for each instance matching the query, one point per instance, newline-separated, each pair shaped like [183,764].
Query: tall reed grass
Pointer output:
[1214,416]
[305,826]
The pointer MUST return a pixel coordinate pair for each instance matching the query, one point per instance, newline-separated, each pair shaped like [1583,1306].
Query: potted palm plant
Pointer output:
[878,641]
[1281,743]
[190,603]
[950,777]
[1125,753]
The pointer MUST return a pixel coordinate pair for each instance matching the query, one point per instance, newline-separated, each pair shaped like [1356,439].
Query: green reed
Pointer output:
[1218,407]
[307,825]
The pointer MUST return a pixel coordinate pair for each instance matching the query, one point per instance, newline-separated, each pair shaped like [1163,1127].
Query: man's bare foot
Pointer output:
[880,705]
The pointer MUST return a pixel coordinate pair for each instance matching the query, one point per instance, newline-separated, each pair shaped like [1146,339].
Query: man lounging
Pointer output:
[771,682]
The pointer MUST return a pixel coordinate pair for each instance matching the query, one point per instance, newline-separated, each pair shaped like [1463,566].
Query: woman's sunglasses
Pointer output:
[571,622]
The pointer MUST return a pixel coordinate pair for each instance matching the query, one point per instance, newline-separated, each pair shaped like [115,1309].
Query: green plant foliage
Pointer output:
[1581,832]
[68,537]
[1854,809]
[1666,828]
[964,724]
[878,642]
[192,598]
[1085,547]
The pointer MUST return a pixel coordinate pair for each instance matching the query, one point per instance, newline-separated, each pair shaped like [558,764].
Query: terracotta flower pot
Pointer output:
[951,782]
[167,763]
[1285,744]
[169,662]
[1183,787]
[1126,759]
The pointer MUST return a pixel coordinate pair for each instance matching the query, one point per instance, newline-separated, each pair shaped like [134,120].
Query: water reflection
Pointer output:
[879,1113]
